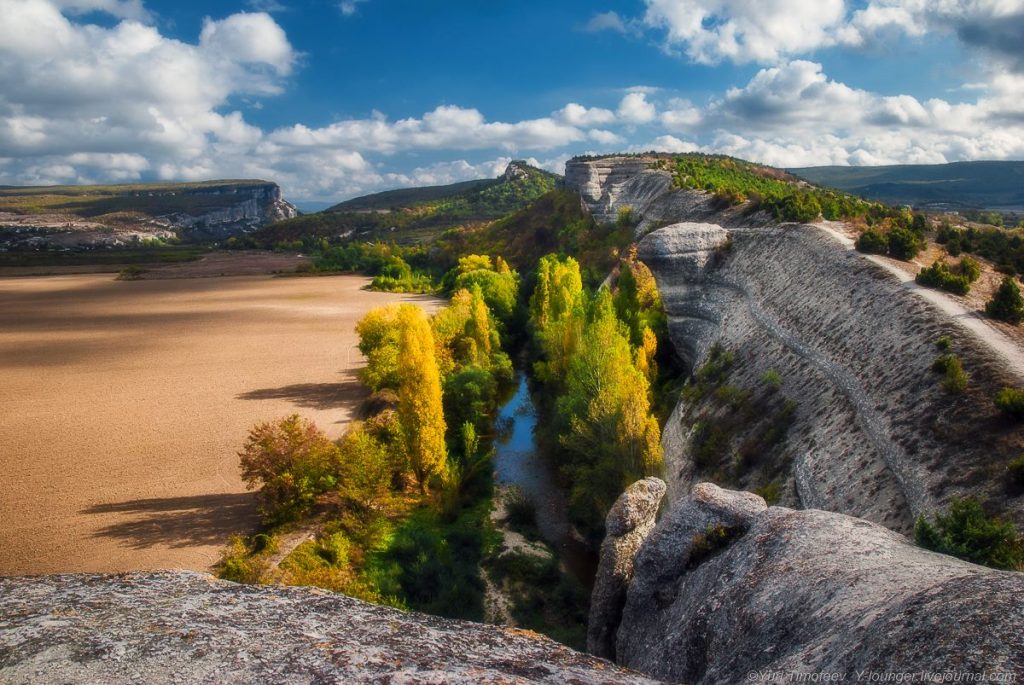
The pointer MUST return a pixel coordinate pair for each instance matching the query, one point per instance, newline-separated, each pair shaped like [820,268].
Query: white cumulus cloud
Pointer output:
[710,31]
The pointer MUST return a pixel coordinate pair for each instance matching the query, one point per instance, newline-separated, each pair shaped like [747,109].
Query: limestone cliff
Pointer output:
[242,208]
[90,217]
[640,184]
[726,586]
[820,390]
[186,627]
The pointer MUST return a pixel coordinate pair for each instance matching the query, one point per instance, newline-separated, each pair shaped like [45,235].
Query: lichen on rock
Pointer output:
[164,627]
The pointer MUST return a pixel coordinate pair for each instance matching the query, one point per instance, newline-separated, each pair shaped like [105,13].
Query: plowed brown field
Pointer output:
[123,405]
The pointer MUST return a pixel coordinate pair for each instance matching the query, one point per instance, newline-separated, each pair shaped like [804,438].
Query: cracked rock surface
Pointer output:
[167,627]
[725,586]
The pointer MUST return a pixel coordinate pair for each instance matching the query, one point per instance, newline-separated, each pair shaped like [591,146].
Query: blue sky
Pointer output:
[335,98]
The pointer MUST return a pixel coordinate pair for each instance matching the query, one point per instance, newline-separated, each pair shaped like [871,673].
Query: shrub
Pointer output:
[131,273]
[938,275]
[237,565]
[904,244]
[521,514]
[1016,469]
[1007,303]
[956,378]
[872,242]
[944,343]
[970,268]
[968,533]
[1010,402]
[772,379]
[801,207]
[770,492]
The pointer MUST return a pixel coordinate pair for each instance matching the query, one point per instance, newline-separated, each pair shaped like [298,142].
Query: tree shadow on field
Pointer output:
[320,396]
[179,521]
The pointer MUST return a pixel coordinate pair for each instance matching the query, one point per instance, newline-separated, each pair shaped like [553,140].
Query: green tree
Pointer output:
[498,283]
[420,410]
[872,241]
[970,268]
[607,429]
[557,314]
[1007,303]
[968,533]
[366,468]
[469,396]
[939,275]
[291,462]
[904,243]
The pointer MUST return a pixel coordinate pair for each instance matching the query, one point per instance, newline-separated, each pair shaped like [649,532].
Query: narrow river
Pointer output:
[518,462]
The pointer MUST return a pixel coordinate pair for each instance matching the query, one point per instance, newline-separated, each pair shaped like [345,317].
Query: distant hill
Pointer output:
[98,202]
[480,199]
[408,197]
[960,185]
[417,215]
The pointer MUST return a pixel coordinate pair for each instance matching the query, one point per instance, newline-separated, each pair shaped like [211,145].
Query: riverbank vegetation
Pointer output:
[595,358]
[400,504]
[399,510]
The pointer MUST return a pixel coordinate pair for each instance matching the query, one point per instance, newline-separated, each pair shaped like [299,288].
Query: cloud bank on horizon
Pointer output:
[101,91]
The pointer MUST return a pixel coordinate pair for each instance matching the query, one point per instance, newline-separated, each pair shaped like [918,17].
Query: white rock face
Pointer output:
[610,184]
[725,586]
[872,432]
[628,524]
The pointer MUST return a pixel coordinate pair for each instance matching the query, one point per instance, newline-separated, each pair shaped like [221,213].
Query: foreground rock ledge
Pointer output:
[188,627]
[725,586]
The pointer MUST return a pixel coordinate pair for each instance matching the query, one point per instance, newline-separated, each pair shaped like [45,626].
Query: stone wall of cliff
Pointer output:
[828,400]
[243,208]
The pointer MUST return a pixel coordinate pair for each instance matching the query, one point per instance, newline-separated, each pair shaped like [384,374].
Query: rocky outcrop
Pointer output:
[610,184]
[725,586]
[187,627]
[870,429]
[627,525]
[227,210]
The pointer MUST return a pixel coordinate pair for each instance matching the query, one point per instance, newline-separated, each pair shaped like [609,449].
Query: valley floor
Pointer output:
[124,405]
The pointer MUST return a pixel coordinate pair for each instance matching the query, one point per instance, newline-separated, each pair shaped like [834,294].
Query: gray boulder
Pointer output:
[186,627]
[726,586]
[629,522]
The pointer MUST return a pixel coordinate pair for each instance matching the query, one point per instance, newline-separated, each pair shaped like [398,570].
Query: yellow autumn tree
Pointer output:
[557,314]
[608,435]
[378,340]
[479,329]
[420,411]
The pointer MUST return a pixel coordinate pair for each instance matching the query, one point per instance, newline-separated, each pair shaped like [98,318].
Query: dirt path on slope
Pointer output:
[124,404]
[1003,345]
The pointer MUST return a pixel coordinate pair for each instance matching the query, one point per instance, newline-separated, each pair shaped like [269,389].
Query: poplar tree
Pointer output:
[607,429]
[420,411]
[557,311]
